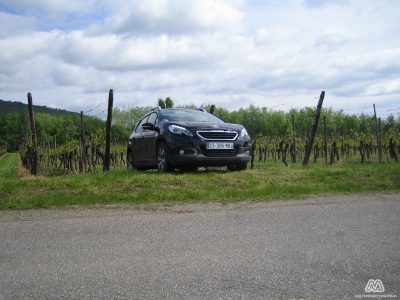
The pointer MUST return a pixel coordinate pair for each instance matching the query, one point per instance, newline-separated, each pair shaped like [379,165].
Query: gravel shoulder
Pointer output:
[94,211]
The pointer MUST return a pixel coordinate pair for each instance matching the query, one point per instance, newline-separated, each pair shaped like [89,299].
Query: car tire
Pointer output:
[129,160]
[237,167]
[163,164]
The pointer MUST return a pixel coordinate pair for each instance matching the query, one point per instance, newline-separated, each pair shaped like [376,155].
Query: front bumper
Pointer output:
[194,153]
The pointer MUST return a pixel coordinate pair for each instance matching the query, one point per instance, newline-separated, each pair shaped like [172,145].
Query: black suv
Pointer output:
[186,139]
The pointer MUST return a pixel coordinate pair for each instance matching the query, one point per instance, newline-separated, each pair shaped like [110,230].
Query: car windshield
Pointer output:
[188,115]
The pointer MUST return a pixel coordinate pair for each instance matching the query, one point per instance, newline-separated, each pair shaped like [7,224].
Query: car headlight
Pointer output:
[243,133]
[179,130]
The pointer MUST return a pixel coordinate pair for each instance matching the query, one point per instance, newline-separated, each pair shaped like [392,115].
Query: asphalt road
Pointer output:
[323,248]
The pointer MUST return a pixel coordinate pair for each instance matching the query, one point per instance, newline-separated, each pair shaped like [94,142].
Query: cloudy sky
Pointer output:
[232,53]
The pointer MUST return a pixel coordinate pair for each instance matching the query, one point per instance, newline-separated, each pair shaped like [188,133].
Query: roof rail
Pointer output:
[156,108]
[201,109]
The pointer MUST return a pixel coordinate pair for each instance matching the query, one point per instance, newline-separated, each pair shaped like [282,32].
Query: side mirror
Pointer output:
[148,126]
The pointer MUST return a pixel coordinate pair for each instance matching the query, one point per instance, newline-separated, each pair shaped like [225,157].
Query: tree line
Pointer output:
[51,129]
[265,122]
[259,122]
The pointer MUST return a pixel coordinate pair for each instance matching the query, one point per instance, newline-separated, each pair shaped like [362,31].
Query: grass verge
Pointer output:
[265,182]
[8,165]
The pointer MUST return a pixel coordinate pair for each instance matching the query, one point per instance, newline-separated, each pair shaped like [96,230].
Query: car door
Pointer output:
[149,139]
[137,143]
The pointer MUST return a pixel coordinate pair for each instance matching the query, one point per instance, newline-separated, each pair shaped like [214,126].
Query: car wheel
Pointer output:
[163,164]
[237,167]
[129,162]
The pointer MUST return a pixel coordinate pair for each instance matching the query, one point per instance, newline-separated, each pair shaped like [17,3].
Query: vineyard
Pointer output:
[346,153]
[71,157]
[67,158]
[362,150]
[76,143]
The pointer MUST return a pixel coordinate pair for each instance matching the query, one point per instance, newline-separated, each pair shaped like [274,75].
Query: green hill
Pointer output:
[7,107]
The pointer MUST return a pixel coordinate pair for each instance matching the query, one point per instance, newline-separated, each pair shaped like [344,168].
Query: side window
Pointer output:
[152,118]
[139,128]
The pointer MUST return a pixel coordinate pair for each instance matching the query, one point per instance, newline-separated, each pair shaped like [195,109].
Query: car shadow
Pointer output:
[204,170]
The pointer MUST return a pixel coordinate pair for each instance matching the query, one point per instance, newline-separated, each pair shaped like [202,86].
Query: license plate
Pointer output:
[219,145]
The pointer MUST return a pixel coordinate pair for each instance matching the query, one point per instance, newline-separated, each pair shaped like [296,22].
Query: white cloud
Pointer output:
[333,37]
[386,87]
[64,74]
[113,52]
[379,62]
[171,17]
[13,25]
[49,8]
[231,53]
[319,3]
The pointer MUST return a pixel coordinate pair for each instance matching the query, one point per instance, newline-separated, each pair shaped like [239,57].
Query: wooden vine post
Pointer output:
[378,144]
[313,131]
[294,141]
[380,139]
[82,163]
[253,153]
[325,142]
[34,153]
[106,162]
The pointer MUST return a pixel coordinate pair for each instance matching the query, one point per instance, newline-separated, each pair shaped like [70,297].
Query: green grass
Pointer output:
[266,181]
[8,166]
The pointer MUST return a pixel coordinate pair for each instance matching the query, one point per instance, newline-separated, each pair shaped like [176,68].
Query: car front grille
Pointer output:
[220,152]
[218,135]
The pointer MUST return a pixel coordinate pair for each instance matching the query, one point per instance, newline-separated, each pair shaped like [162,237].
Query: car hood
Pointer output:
[210,126]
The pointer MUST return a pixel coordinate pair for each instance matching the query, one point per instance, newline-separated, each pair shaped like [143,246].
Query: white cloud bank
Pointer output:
[230,53]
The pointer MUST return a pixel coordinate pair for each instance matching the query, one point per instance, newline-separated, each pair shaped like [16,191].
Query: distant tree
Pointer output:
[65,128]
[169,103]
[161,103]
[12,130]
[129,117]
[212,108]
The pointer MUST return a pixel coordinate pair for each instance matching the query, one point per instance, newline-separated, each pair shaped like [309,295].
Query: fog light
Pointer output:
[181,152]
